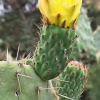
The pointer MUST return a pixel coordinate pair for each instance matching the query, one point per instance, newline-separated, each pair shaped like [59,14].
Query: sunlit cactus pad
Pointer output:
[19,82]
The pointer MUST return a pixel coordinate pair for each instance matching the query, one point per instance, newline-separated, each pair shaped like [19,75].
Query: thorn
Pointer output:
[47,87]
[17,52]
[38,33]
[65,97]
[24,75]
[61,80]
[38,90]
[7,58]
[37,26]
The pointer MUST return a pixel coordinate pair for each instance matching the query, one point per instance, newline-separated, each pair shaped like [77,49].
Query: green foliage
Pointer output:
[15,30]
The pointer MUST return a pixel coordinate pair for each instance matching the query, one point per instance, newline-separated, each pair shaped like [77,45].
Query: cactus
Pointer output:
[31,79]
[85,45]
[19,82]
[72,81]
[53,51]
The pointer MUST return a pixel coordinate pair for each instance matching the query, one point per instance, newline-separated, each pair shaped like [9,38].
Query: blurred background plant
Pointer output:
[19,21]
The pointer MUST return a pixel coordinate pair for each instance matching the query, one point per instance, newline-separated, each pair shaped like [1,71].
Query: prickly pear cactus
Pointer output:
[85,45]
[20,82]
[53,51]
[72,81]
[31,79]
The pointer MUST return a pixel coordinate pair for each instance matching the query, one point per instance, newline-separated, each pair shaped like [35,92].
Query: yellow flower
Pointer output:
[63,13]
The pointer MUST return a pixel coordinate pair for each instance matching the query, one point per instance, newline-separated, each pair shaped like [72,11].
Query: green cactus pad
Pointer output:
[53,51]
[19,82]
[72,81]
[85,44]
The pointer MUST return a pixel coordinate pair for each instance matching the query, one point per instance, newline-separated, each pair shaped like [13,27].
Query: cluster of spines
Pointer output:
[53,51]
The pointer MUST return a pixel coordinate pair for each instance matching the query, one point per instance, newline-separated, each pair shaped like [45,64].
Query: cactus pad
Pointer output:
[53,50]
[72,81]
[19,82]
